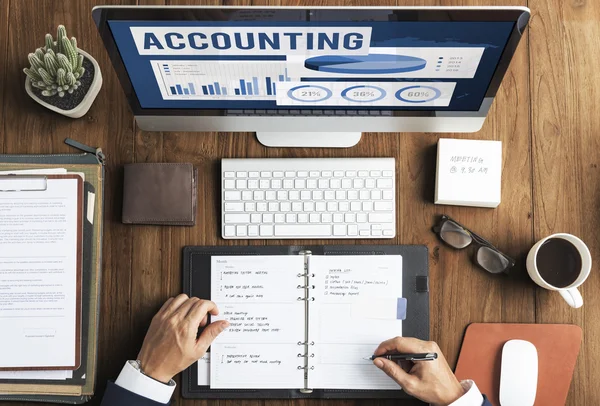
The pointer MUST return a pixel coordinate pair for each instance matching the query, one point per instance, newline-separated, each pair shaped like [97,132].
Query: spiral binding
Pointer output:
[306,287]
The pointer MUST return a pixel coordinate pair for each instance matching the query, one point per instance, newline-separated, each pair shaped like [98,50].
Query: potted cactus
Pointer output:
[62,77]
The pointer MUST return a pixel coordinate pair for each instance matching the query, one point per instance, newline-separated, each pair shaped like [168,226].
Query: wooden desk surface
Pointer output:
[546,114]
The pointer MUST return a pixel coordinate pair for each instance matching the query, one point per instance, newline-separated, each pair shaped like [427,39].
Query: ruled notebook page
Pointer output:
[258,295]
[354,310]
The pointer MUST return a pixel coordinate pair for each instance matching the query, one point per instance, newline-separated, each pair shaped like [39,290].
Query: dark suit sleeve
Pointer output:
[486,402]
[117,396]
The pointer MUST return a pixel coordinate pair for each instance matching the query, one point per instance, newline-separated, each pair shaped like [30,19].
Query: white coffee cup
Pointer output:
[569,293]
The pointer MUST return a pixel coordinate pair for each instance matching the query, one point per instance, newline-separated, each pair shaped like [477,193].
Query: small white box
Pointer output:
[469,173]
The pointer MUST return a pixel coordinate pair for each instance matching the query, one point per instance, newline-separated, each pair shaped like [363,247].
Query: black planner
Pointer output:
[197,263]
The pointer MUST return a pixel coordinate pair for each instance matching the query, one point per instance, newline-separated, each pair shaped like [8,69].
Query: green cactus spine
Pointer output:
[57,67]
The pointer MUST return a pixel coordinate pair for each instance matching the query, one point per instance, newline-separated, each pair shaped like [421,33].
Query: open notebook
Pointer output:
[304,321]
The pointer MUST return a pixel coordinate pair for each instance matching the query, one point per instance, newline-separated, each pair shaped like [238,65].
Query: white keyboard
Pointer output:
[308,198]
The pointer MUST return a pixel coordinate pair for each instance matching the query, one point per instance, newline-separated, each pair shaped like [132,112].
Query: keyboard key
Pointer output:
[320,206]
[233,195]
[317,195]
[261,206]
[388,195]
[376,233]
[305,195]
[285,206]
[302,174]
[332,206]
[290,174]
[376,227]
[265,184]
[367,206]
[359,183]
[300,184]
[388,173]
[384,206]
[375,194]
[252,231]
[315,218]
[241,231]
[259,195]
[346,183]
[363,174]
[335,183]
[338,174]
[385,183]
[361,218]
[229,184]
[253,174]
[375,174]
[352,195]
[351,174]
[302,218]
[323,183]
[266,230]
[229,231]
[329,195]
[246,195]
[296,206]
[290,218]
[364,195]
[381,218]
[340,194]
[266,174]
[249,207]
[267,218]
[311,184]
[349,218]
[276,184]
[339,229]
[237,218]
[338,218]
[303,230]
[294,195]
[343,206]
[242,174]
[326,174]
[282,195]
[234,206]
[370,183]
[229,175]
[255,218]
[355,206]
[270,195]
[273,206]
[288,184]
[352,229]
[326,218]
[388,233]
[314,174]
[309,206]
[253,184]
[364,233]
[241,184]
[278,174]
[279,218]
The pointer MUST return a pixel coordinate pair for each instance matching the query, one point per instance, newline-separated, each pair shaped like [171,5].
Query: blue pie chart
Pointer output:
[365,64]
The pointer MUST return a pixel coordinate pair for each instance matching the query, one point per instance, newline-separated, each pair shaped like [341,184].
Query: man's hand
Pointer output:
[431,381]
[170,345]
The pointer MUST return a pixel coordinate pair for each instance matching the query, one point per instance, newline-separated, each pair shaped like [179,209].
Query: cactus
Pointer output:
[57,67]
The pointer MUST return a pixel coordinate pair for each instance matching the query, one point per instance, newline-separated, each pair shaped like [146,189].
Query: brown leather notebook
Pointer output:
[557,346]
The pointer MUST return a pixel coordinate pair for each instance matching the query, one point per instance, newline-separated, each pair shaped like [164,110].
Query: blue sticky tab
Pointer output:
[401,308]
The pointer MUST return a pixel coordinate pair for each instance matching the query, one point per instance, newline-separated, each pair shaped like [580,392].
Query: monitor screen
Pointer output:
[312,61]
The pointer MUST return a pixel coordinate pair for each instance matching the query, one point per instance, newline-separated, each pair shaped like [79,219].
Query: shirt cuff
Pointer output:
[472,396]
[134,381]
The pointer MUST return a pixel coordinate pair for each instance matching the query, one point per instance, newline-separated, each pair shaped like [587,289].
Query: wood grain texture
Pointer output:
[564,41]
[544,114]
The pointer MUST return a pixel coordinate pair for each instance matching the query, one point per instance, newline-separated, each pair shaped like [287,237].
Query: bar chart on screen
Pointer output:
[220,80]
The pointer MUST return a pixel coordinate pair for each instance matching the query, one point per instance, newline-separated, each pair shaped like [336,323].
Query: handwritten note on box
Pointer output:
[468,173]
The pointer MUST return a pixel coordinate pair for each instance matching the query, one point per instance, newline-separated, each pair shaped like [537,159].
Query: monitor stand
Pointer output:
[309,139]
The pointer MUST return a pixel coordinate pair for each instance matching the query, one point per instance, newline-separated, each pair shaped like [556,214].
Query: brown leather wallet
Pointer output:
[160,193]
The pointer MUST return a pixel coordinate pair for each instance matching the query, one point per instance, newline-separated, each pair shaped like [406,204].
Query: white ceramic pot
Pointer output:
[87,101]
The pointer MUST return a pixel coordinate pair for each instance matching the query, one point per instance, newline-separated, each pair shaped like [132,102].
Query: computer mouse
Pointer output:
[518,373]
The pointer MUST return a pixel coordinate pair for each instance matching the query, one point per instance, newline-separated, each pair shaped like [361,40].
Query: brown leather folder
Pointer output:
[557,346]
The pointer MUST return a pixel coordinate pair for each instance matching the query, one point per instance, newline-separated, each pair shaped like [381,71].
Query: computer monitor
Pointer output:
[311,76]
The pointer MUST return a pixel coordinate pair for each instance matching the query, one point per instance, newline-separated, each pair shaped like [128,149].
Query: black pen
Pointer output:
[428,356]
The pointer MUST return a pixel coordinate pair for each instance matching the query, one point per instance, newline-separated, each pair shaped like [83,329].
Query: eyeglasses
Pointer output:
[487,256]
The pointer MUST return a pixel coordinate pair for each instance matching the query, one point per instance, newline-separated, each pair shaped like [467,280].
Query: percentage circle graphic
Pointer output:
[292,96]
[425,91]
[374,96]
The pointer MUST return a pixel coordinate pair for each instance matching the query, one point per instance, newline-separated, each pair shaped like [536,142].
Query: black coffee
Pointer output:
[558,262]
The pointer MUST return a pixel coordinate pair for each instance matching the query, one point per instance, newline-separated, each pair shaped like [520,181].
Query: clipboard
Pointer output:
[39,183]
[415,282]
